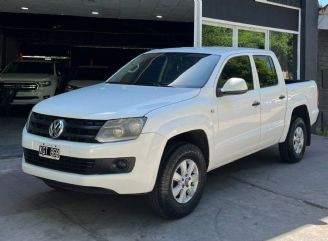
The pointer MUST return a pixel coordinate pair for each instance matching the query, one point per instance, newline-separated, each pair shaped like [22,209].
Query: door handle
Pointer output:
[256,103]
[282,97]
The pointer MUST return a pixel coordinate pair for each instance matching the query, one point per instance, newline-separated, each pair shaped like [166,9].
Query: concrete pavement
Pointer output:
[256,198]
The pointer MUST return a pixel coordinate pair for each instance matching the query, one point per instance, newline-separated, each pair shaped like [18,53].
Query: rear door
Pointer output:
[273,100]
[238,115]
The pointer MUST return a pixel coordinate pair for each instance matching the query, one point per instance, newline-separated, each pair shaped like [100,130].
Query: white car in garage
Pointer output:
[34,80]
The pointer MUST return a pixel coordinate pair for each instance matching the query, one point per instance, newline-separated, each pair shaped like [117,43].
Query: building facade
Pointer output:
[288,27]
[323,67]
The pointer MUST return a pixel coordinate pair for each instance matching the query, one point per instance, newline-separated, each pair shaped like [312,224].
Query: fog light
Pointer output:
[122,164]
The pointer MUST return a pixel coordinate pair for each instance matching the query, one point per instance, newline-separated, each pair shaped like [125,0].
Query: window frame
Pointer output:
[236,26]
[253,68]
[274,66]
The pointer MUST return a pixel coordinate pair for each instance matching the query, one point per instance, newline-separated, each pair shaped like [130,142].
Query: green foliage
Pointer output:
[282,44]
[217,36]
[251,39]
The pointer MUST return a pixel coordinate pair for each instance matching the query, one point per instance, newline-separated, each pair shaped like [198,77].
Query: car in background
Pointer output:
[84,76]
[33,80]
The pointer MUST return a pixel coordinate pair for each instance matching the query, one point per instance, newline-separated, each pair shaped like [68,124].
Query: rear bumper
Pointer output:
[147,150]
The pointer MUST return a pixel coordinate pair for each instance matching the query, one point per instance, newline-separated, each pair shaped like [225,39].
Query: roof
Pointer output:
[211,50]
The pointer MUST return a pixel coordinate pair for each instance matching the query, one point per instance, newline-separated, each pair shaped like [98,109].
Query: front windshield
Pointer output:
[184,70]
[30,68]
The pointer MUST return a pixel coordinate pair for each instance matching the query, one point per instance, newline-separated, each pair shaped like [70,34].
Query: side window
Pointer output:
[237,67]
[266,71]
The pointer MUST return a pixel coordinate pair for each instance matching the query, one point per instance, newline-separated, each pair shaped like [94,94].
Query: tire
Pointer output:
[164,199]
[290,152]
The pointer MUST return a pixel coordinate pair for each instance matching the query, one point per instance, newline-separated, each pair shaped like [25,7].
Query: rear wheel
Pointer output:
[292,150]
[180,181]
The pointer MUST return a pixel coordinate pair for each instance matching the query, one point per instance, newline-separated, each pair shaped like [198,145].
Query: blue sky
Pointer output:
[323,2]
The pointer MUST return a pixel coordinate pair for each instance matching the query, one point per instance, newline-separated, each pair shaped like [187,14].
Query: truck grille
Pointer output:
[21,86]
[76,130]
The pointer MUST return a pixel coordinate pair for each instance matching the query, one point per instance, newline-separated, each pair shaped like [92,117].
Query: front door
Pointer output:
[239,118]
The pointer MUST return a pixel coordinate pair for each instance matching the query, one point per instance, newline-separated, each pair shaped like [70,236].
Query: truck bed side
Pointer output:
[301,94]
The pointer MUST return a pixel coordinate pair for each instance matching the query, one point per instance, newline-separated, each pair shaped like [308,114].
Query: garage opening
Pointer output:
[91,32]
[100,32]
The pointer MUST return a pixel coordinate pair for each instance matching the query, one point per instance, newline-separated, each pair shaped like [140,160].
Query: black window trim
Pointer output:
[256,72]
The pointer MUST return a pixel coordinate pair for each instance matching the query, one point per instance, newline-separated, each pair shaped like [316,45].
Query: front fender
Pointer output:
[181,118]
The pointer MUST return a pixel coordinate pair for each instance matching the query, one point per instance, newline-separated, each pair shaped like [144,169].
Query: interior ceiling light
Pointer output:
[159,16]
[24,8]
[95,12]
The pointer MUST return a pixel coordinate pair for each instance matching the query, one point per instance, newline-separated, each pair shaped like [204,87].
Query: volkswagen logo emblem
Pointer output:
[56,128]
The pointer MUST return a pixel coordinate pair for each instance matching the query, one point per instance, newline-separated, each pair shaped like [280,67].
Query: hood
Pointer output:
[113,101]
[84,83]
[14,77]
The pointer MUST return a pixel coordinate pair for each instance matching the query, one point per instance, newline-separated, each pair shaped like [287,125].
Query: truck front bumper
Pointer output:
[33,96]
[147,150]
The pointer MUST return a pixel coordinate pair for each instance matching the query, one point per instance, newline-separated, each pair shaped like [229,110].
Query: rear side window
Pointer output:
[266,71]
[237,67]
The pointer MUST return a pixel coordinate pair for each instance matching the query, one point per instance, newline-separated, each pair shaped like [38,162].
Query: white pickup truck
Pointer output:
[34,80]
[164,120]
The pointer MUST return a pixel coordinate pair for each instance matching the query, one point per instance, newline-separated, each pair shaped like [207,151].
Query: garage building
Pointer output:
[110,32]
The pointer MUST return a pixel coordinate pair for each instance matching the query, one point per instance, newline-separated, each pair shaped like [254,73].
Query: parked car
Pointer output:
[84,76]
[164,120]
[34,80]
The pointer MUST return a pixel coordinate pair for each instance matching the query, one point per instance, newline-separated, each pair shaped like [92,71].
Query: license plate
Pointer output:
[50,152]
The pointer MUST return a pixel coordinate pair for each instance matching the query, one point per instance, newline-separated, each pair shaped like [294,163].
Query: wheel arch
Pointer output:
[197,137]
[302,112]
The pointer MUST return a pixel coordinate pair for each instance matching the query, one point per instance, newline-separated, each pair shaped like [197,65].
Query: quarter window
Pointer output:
[266,71]
[237,67]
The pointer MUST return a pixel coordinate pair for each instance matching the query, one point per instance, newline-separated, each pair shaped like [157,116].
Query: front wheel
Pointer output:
[180,181]
[292,150]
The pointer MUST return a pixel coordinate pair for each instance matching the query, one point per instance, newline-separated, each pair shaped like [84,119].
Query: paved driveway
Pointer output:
[256,198]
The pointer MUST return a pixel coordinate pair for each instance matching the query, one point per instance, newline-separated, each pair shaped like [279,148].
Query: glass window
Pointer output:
[284,45]
[237,67]
[251,39]
[182,70]
[266,71]
[217,36]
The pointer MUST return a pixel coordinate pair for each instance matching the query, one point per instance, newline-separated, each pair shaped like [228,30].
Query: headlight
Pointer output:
[121,129]
[44,83]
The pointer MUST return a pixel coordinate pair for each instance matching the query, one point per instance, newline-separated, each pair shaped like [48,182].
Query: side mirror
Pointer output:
[233,86]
